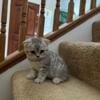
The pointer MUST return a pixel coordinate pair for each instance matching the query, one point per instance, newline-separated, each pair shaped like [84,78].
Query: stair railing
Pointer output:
[19,55]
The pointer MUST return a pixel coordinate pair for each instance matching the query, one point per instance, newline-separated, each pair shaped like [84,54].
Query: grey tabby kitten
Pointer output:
[45,63]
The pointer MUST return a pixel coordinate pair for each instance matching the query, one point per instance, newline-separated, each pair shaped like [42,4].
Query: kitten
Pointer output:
[45,63]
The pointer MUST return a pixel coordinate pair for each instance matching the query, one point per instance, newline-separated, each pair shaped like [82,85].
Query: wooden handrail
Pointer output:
[41,19]
[56,16]
[11,60]
[93,4]
[3,29]
[22,30]
[70,11]
[82,7]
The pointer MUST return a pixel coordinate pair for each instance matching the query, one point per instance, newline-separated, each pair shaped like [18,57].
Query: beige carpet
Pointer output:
[83,60]
[74,89]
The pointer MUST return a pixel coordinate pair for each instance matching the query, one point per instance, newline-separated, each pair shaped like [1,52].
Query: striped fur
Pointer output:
[45,63]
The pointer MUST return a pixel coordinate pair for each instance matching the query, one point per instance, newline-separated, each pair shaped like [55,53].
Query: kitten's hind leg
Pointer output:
[57,80]
[31,75]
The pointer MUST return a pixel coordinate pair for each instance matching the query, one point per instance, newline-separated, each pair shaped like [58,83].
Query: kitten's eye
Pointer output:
[33,52]
[42,51]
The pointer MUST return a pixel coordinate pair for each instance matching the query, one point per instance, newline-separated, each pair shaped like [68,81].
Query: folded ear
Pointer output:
[26,42]
[47,41]
[36,35]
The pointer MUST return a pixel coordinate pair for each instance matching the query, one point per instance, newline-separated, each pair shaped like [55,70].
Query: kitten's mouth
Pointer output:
[37,56]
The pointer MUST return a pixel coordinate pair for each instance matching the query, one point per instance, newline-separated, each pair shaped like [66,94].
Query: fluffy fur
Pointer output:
[45,63]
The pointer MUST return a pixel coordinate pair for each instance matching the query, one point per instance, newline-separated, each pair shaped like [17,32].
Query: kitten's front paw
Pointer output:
[31,76]
[57,80]
[37,80]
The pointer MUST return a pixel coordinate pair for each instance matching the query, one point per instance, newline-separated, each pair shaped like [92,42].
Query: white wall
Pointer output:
[81,33]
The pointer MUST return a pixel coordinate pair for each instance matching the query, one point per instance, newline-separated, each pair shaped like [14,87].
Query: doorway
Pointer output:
[32,22]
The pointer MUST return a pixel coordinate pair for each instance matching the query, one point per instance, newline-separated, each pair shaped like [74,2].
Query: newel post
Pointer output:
[56,16]
[41,19]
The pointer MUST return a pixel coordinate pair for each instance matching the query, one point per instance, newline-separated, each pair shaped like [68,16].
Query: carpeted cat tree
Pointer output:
[83,59]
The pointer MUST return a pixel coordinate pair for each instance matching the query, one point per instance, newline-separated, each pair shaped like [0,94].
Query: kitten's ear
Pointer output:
[47,41]
[26,42]
[36,35]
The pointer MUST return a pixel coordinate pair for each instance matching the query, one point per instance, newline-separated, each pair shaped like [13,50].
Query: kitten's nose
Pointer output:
[37,56]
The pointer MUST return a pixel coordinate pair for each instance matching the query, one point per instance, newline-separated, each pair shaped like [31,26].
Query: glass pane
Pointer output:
[98,3]
[48,21]
[87,8]
[76,8]
[35,1]
[63,11]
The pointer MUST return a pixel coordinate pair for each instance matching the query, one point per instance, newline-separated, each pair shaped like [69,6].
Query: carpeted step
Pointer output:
[74,89]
